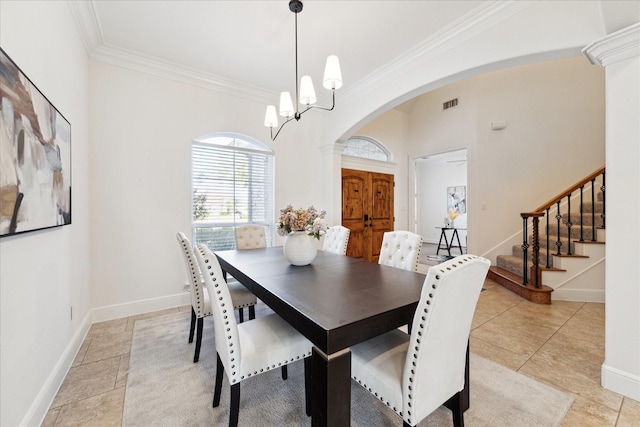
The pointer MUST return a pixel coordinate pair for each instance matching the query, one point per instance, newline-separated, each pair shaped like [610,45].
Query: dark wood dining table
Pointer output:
[336,302]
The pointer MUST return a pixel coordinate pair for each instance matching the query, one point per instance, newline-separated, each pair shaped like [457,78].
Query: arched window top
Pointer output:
[234,141]
[366,148]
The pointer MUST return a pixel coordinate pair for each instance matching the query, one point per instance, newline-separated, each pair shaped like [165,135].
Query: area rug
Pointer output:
[165,388]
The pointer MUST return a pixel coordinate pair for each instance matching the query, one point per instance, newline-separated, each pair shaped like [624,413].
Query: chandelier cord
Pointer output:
[297,113]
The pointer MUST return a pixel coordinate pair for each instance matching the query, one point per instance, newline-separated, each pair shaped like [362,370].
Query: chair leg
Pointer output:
[252,312]
[196,356]
[241,313]
[285,372]
[235,405]
[405,424]
[456,410]
[307,385]
[192,328]
[218,387]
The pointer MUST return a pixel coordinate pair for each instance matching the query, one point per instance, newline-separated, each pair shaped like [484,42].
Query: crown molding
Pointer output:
[88,22]
[479,20]
[615,47]
[171,70]
[85,15]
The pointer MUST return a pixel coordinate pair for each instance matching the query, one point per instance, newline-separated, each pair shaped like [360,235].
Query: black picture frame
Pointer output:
[35,156]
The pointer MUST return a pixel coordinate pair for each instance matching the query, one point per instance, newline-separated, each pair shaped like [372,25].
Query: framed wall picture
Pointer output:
[457,199]
[35,156]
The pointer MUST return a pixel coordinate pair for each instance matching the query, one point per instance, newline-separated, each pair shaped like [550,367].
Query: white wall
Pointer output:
[45,273]
[554,112]
[554,136]
[142,127]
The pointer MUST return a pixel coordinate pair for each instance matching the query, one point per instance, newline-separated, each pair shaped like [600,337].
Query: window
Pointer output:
[232,184]
[366,148]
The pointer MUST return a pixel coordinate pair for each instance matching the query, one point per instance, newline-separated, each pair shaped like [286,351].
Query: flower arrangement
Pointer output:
[309,220]
[453,214]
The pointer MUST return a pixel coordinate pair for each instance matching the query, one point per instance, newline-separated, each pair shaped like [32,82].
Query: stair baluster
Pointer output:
[569,224]
[558,219]
[535,269]
[531,287]
[604,204]
[525,250]
[582,211]
[548,264]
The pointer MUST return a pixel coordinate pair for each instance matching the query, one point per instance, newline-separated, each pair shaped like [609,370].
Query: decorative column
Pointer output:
[332,181]
[619,54]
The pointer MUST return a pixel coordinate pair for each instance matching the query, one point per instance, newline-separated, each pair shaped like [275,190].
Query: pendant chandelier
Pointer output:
[305,93]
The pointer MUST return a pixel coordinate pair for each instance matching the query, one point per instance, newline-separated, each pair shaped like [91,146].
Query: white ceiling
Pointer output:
[250,43]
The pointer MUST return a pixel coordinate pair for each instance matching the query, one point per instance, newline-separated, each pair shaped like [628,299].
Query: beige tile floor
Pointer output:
[561,344]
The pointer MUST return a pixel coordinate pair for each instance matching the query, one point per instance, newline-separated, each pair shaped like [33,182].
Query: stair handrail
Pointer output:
[571,189]
[543,210]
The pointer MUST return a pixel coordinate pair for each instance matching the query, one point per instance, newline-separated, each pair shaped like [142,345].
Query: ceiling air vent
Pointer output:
[450,104]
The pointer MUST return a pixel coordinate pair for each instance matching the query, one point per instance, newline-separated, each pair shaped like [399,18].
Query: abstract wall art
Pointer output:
[35,156]
[457,199]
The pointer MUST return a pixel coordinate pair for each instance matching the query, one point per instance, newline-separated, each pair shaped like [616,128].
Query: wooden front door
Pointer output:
[367,210]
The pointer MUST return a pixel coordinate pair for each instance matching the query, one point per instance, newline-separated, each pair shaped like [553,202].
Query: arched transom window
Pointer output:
[366,148]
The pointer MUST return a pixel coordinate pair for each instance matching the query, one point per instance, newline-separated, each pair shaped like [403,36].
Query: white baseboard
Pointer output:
[133,308]
[582,295]
[40,406]
[43,400]
[621,382]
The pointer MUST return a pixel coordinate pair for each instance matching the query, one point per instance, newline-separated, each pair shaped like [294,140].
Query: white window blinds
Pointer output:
[231,186]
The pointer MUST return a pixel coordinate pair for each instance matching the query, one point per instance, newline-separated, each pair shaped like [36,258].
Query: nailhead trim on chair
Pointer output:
[382,399]
[336,239]
[268,368]
[414,353]
[233,378]
[421,325]
[199,307]
[393,236]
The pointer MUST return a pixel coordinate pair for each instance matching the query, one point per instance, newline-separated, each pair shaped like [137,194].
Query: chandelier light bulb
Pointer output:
[286,105]
[271,118]
[332,74]
[307,92]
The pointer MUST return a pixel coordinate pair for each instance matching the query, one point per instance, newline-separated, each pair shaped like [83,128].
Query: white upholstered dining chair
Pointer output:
[415,374]
[250,348]
[401,249]
[336,240]
[250,236]
[200,304]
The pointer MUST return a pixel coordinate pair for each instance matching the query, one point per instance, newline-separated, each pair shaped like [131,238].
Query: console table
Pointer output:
[449,243]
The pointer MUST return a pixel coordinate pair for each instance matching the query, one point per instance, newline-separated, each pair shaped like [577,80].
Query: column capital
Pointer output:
[335,148]
[615,47]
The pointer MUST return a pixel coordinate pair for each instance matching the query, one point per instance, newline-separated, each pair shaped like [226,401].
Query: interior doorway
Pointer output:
[441,186]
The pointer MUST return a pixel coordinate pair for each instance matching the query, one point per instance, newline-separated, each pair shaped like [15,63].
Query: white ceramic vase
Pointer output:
[300,248]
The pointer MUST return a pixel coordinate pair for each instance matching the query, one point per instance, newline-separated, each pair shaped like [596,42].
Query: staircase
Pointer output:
[569,246]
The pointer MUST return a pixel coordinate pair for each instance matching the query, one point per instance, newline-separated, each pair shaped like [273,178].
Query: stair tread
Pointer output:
[541,295]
